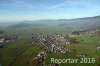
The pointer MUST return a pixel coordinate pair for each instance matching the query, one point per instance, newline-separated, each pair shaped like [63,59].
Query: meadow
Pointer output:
[25,55]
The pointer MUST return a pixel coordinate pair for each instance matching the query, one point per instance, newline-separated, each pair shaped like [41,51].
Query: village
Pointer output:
[52,43]
[7,39]
[55,43]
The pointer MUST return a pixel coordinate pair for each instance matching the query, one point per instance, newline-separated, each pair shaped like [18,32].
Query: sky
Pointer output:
[19,10]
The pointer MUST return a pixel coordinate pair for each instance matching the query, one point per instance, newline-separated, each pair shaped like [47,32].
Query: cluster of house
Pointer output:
[81,55]
[53,43]
[83,32]
[8,39]
[41,58]
[59,48]
[98,47]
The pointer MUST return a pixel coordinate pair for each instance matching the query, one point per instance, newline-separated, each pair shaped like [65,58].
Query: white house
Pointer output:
[1,40]
[98,48]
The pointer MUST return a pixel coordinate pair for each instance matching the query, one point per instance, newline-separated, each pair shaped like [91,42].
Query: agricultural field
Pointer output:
[22,52]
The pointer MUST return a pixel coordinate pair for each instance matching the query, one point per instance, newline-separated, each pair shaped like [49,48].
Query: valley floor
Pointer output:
[23,53]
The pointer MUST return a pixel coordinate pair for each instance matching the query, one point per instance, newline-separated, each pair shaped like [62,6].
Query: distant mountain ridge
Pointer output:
[83,23]
[20,25]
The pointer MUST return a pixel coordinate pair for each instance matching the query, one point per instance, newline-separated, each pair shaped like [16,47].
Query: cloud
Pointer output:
[77,3]
[68,4]
[16,4]
[64,3]
[21,4]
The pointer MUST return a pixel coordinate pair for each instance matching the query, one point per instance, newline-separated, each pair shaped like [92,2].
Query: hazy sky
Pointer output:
[18,10]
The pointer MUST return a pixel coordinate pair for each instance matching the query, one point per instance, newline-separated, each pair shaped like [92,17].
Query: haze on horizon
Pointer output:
[19,10]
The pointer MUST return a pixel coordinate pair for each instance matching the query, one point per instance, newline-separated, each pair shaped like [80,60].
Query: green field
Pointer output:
[86,46]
